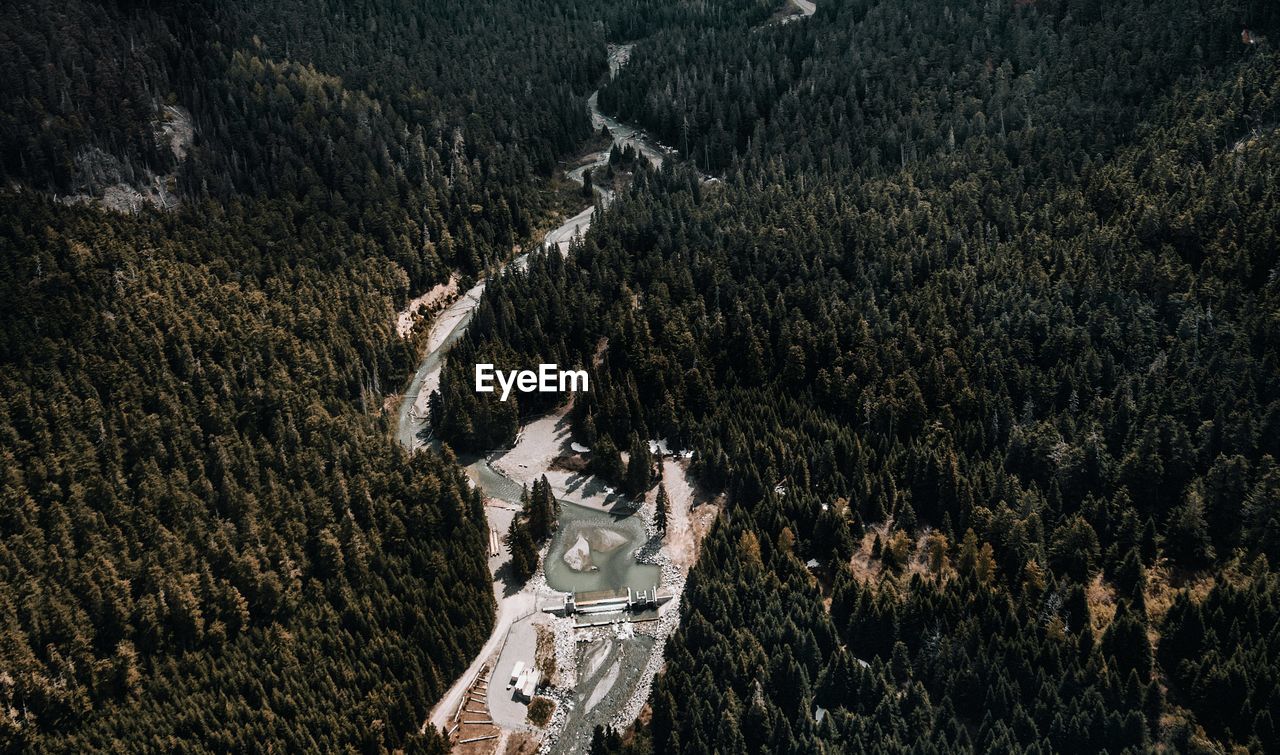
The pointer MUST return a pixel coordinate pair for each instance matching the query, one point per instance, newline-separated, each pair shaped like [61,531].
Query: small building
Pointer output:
[529,684]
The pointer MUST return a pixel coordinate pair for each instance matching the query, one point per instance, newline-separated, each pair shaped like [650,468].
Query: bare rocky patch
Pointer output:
[115,185]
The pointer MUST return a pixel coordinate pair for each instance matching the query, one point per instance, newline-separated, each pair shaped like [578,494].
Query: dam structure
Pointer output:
[600,607]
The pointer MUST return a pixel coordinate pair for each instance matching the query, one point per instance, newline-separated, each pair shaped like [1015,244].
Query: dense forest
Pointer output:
[364,123]
[984,317]
[203,538]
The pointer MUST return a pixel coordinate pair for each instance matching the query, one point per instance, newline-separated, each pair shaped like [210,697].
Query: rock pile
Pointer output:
[566,651]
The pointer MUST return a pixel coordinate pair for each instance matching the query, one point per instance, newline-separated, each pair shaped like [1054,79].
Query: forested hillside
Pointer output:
[984,318]
[204,539]
[208,540]
[367,121]
[870,86]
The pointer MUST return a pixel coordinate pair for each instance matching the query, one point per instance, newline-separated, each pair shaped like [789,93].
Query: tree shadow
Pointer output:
[506,575]
[614,503]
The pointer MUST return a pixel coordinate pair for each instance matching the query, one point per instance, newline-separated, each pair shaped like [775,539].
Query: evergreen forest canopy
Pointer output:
[985,317]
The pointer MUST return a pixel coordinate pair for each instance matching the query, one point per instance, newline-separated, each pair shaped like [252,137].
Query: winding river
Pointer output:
[609,567]
[605,561]
[605,567]
[412,425]
[592,548]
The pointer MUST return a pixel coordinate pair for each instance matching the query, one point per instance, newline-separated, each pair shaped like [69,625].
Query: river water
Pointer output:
[591,549]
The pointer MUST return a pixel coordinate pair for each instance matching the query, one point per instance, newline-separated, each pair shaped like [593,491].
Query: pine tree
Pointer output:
[605,740]
[661,508]
[639,468]
[1074,549]
[550,508]
[524,551]
[1187,539]
[906,518]
[606,462]
[540,509]
[1125,641]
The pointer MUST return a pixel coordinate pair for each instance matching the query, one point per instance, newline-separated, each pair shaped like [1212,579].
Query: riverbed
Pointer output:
[591,549]
[594,544]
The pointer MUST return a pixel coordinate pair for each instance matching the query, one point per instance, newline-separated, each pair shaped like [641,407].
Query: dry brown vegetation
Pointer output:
[899,555]
[540,710]
[575,463]
[545,654]
[1163,586]
[520,743]
[1101,599]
